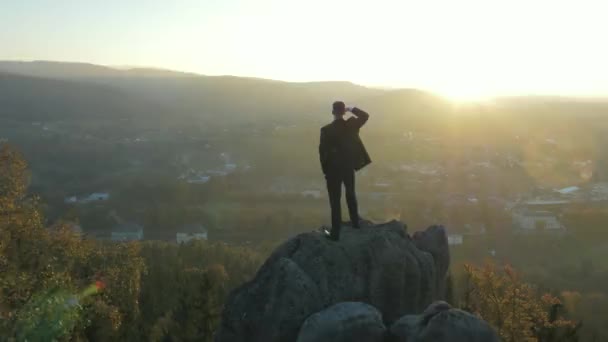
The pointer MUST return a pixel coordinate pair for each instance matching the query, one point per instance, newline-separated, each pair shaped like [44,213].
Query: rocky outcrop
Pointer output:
[380,265]
[344,322]
[434,240]
[441,323]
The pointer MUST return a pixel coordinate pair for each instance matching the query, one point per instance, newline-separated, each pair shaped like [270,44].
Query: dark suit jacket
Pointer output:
[341,147]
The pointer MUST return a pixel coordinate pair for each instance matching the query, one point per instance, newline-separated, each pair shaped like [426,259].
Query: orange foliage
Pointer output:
[513,307]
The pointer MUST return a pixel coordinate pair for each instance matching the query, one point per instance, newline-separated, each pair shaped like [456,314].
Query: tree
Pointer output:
[43,270]
[151,291]
[515,308]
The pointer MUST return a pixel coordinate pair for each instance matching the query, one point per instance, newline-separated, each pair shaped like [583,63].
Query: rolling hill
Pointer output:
[53,90]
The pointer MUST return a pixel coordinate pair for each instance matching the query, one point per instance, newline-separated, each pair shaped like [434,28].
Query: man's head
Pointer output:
[339,109]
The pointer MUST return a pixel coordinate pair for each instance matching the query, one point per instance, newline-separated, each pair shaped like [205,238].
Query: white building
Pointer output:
[191,232]
[71,200]
[127,232]
[96,197]
[567,191]
[529,221]
[455,239]
[199,180]
[599,192]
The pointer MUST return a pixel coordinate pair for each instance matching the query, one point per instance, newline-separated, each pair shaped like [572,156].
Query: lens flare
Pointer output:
[53,313]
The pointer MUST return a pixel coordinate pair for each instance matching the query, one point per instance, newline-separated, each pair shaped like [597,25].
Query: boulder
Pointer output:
[344,322]
[441,323]
[380,265]
[435,241]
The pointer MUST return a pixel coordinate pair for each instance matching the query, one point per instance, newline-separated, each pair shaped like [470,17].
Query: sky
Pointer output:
[462,49]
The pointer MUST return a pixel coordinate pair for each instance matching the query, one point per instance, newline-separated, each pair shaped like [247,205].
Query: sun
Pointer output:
[461,92]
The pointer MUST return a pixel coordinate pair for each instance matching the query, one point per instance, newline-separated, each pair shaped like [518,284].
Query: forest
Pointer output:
[56,285]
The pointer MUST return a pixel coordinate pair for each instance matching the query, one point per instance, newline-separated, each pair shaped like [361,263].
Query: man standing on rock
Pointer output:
[342,153]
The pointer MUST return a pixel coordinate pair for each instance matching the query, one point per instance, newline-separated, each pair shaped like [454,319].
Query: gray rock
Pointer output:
[344,322]
[441,323]
[435,241]
[378,264]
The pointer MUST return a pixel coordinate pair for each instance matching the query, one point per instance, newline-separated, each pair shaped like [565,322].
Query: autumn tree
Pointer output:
[152,291]
[516,309]
[43,269]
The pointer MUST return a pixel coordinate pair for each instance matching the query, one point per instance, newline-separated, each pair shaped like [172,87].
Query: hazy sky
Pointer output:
[464,48]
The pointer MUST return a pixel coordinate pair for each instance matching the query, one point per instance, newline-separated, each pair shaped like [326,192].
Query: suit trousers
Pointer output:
[335,180]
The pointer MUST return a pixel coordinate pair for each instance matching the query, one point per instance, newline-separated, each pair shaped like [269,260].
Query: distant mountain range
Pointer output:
[81,70]
[54,89]
[44,90]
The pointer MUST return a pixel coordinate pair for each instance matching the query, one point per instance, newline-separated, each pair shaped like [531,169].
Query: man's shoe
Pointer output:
[329,235]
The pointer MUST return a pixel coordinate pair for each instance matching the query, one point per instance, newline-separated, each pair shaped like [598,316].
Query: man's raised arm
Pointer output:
[361,116]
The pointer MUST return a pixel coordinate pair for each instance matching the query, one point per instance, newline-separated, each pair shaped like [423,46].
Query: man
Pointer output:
[342,153]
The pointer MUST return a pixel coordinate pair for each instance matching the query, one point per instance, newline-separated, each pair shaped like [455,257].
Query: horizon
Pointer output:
[480,99]
[470,50]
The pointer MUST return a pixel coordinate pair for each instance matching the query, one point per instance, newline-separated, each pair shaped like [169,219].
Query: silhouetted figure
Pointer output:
[342,153]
